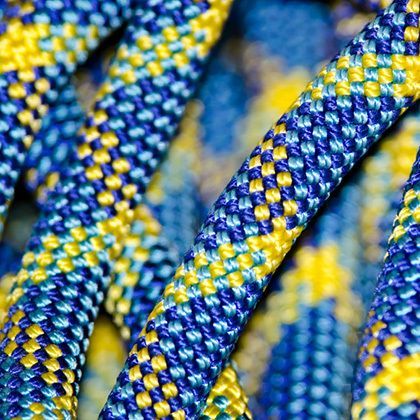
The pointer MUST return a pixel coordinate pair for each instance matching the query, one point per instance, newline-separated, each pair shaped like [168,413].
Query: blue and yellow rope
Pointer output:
[41,44]
[95,233]
[194,327]
[67,263]
[387,380]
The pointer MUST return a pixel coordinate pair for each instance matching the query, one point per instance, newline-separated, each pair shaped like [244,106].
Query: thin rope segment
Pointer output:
[332,317]
[41,43]
[69,258]
[385,174]
[52,145]
[194,327]
[147,260]
[387,383]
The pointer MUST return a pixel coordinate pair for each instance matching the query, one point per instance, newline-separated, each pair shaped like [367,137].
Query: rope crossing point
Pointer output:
[193,329]
[179,361]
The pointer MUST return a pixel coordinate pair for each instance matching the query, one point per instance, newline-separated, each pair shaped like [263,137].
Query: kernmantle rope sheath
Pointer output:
[194,327]
[68,260]
[41,43]
[387,382]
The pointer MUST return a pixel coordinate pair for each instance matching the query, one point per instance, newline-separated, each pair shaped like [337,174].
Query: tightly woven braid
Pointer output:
[194,327]
[387,382]
[53,143]
[382,175]
[278,79]
[146,263]
[134,291]
[306,331]
[385,174]
[40,45]
[69,257]
[333,323]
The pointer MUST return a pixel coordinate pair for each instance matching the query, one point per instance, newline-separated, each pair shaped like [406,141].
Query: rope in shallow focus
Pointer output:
[261,225]
[193,329]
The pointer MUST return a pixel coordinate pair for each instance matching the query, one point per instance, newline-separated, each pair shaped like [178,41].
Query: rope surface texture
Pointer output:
[67,263]
[194,327]
[100,240]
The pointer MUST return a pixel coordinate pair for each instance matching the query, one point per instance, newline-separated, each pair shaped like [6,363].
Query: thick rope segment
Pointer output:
[387,382]
[323,336]
[194,327]
[41,43]
[69,258]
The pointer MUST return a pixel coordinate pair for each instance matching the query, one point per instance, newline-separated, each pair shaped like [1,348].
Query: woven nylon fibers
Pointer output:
[41,42]
[66,265]
[146,261]
[51,146]
[151,259]
[386,172]
[387,381]
[305,332]
[193,329]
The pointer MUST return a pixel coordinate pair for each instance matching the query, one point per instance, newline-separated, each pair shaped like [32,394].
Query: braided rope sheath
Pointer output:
[334,313]
[193,329]
[146,262]
[276,353]
[52,145]
[306,332]
[387,381]
[68,260]
[386,172]
[41,42]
